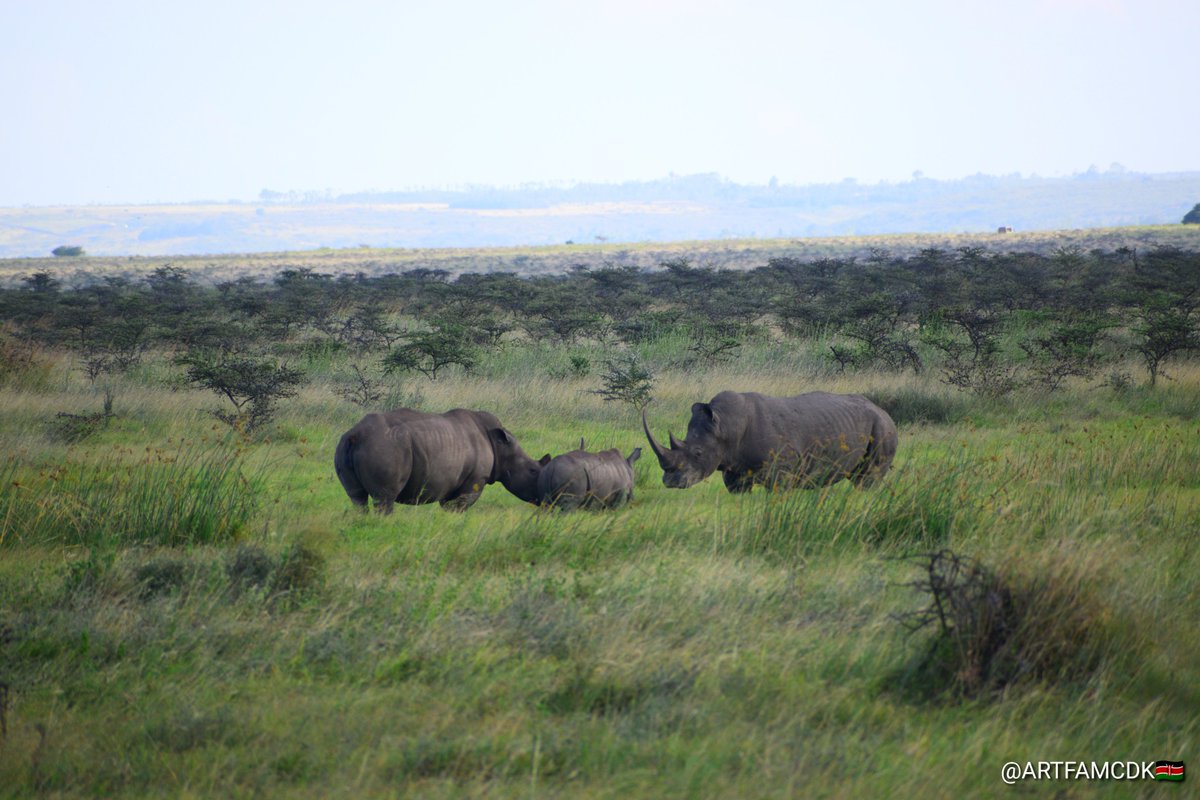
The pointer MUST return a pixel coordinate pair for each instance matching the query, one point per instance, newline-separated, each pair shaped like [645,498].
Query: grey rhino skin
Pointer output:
[809,440]
[410,457]
[580,479]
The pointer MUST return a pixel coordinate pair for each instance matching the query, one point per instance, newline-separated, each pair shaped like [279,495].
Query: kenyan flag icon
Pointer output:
[1168,771]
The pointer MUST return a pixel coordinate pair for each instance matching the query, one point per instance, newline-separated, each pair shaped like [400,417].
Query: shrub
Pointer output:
[253,385]
[429,352]
[627,380]
[301,571]
[363,390]
[22,365]
[906,406]
[249,567]
[161,575]
[971,344]
[997,628]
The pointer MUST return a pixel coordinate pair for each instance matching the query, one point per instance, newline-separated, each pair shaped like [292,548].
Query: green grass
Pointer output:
[191,620]
[188,494]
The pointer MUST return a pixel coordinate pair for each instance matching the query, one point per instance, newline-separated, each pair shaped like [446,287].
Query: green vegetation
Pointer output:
[187,609]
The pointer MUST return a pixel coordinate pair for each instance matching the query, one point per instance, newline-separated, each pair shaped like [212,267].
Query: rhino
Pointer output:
[410,457]
[580,479]
[809,440]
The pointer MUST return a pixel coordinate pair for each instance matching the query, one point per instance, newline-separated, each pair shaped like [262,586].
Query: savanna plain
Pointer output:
[191,607]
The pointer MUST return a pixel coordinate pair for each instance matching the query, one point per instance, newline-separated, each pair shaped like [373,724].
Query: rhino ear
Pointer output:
[501,435]
[544,460]
[705,412]
[634,456]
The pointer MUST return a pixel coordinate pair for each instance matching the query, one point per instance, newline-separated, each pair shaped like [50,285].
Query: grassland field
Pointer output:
[187,613]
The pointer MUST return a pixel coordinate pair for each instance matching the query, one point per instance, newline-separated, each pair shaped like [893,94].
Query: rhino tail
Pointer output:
[343,463]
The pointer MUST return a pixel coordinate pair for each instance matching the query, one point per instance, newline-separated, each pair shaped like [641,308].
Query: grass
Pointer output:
[193,620]
[190,494]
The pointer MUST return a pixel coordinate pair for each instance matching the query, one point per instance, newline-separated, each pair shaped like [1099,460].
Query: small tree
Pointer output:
[116,347]
[429,352]
[972,357]
[712,342]
[1069,349]
[1193,216]
[67,251]
[627,379]
[1162,331]
[252,385]
[363,390]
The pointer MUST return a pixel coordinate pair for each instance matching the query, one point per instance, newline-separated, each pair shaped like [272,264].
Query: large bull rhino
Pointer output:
[411,457]
[809,440]
[580,479]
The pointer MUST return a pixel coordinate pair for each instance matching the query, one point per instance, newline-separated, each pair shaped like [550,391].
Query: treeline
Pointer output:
[989,323]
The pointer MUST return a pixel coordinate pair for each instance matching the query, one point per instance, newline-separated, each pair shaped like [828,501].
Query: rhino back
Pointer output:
[448,452]
[581,478]
[824,435]
[414,457]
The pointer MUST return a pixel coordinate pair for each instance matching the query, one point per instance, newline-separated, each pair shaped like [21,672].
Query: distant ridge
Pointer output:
[692,207]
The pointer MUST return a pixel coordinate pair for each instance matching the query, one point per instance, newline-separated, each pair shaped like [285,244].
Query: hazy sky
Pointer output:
[106,101]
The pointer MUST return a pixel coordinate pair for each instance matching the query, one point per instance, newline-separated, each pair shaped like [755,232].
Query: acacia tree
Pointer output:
[429,352]
[972,356]
[1070,348]
[627,379]
[1164,329]
[253,385]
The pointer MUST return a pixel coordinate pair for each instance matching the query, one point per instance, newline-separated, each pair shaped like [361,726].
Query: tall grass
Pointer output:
[917,507]
[194,494]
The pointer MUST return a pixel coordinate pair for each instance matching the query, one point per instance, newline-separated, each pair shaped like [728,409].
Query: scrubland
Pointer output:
[191,610]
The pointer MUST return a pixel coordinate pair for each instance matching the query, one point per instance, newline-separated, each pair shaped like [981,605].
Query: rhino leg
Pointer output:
[359,498]
[877,460]
[384,506]
[568,502]
[738,482]
[461,502]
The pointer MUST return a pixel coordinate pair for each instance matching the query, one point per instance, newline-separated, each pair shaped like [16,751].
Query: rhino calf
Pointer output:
[580,479]
[410,457]
[809,440]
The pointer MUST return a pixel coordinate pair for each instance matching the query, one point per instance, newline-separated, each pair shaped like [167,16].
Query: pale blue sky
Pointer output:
[128,102]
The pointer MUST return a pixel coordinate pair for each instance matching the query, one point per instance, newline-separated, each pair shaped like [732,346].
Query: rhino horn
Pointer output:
[675,443]
[654,445]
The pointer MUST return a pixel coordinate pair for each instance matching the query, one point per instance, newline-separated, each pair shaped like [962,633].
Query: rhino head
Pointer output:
[513,467]
[688,462]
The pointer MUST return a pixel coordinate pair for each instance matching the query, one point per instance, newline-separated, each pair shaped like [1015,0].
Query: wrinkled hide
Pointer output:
[809,440]
[580,479]
[410,457]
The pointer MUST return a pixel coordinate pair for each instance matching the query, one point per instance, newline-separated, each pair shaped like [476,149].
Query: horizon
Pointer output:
[137,103]
[309,196]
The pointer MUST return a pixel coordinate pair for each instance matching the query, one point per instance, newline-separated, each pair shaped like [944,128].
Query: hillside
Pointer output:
[674,209]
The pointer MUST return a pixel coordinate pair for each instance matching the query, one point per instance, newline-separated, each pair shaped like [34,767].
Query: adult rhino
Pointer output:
[410,457]
[580,479]
[809,440]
